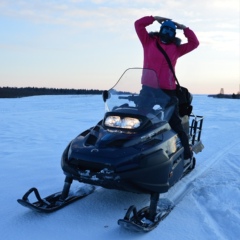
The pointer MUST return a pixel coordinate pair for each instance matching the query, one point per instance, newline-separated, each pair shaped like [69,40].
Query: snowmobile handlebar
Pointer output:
[130,98]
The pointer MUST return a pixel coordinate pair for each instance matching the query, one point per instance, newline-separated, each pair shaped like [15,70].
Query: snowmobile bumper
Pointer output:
[146,174]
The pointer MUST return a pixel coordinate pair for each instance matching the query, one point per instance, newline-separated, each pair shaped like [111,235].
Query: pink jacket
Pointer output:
[154,59]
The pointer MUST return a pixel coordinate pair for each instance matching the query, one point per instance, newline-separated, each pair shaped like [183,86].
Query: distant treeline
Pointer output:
[14,92]
[220,95]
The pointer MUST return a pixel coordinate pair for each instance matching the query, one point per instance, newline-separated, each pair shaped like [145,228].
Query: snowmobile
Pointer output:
[133,148]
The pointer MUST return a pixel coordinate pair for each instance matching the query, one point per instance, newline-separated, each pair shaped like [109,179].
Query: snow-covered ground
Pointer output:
[34,131]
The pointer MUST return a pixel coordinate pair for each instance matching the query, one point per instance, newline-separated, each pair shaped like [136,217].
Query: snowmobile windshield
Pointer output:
[137,93]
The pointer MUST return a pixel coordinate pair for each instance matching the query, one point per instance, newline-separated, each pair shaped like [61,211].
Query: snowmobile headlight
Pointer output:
[126,122]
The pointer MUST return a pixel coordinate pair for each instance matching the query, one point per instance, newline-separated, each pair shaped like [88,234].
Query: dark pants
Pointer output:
[176,124]
[175,121]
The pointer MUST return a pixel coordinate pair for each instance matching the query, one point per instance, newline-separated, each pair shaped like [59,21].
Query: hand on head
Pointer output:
[163,19]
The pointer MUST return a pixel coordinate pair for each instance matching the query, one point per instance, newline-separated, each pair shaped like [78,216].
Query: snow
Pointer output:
[34,131]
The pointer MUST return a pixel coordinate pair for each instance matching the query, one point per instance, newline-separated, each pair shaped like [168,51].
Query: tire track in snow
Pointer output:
[186,185]
[217,199]
[191,182]
[212,224]
[218,211]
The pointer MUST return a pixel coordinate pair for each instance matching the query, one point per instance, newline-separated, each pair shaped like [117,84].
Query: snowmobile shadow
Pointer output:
[27,217]
[101,204]
[106,202]
[105,207]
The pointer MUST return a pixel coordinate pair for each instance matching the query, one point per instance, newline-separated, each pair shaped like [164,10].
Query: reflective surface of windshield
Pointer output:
[137,90]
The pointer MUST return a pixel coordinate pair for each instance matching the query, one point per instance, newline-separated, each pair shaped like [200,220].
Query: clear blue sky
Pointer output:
[88,44]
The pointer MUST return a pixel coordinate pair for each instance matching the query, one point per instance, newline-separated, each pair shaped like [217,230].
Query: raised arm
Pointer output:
[140,27]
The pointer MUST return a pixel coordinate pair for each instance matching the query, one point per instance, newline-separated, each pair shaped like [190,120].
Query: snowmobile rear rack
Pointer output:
[196,128]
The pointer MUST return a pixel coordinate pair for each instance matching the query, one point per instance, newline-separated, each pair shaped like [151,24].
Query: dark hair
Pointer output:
[176,40]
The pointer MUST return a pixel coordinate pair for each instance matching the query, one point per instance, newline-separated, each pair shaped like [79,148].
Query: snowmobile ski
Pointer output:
[139,220]
[54,201]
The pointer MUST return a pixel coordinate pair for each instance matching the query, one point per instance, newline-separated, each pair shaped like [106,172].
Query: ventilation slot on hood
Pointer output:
[91,140]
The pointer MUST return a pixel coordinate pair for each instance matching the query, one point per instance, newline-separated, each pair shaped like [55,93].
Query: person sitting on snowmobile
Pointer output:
[155,60]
